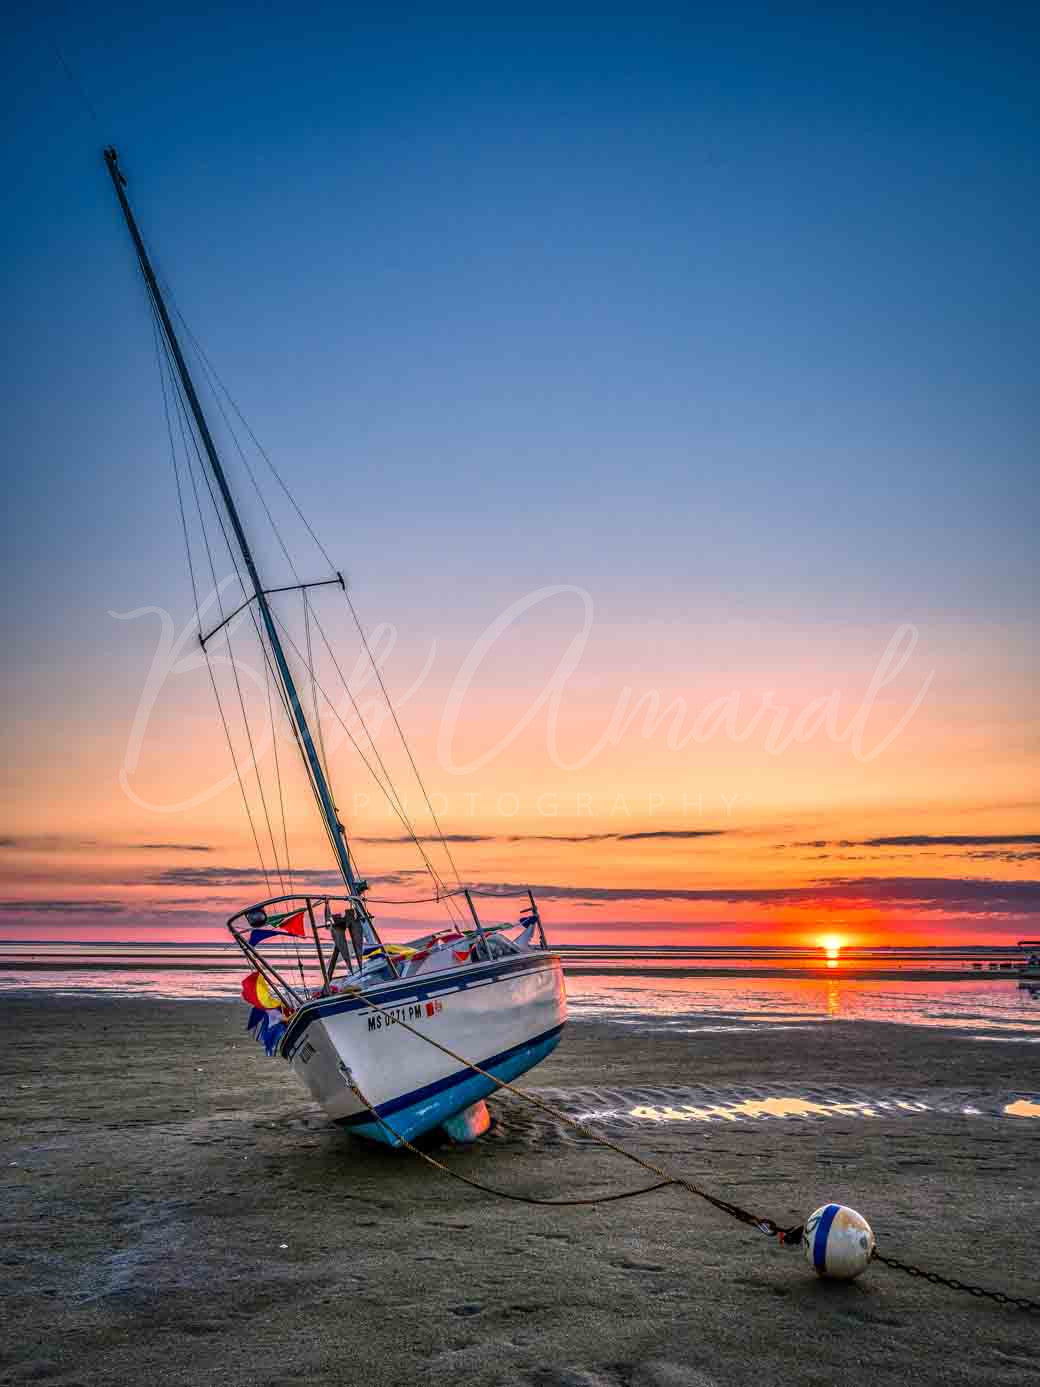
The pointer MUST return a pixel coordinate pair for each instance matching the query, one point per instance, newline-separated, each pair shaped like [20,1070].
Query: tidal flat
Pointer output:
[176,1211]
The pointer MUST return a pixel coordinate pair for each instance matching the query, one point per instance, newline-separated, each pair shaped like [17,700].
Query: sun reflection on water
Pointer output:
[784,1106]
[776,1107]
[1022,1107]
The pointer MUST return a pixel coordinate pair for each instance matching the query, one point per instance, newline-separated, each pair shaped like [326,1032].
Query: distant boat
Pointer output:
[1029,972]
[378,1014]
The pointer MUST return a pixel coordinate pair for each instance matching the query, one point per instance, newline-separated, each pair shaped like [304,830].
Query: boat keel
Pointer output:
[470,1123]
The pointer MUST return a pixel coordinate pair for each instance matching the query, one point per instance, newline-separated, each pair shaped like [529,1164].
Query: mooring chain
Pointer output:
[787,1237]
[1020,1302]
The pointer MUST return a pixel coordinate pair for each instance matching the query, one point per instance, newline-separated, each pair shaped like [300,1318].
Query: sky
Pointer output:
[664,384]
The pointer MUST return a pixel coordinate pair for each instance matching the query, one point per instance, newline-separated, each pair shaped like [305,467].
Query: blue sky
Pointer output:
[594,280]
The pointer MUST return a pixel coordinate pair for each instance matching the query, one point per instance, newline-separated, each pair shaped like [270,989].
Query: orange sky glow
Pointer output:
[719,841]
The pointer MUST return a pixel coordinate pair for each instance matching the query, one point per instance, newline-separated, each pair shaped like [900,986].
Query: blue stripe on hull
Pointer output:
[427,1108]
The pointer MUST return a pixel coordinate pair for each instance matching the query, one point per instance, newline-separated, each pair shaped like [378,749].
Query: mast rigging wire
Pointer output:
[210,375]
[159,358]
[277,770]
[314,690]
[400,806]
[389,789]
[392,798]
[281,802]
[227,633]
[184,397]
[74,82]
[215,380]
[400,733]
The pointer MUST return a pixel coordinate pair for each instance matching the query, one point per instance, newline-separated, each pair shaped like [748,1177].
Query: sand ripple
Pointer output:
[618,1110]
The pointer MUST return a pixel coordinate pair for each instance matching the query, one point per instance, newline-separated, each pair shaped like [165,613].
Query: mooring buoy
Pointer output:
[838,1242]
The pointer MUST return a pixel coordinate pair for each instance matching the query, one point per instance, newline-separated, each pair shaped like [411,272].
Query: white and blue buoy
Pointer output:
[837,1242]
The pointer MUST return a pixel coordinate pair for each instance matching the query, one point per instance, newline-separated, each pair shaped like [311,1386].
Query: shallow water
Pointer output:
[993,1009]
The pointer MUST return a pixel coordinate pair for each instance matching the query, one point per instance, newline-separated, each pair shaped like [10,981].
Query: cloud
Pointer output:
[434,838]
[82,907]
[1000,855]
[323,877]
[55,843]
[170,847]
[242,876]
[926,840]
[402,878]
[663,833]
[967,895]
[169,904]
[944,893]
[921,893]
[48,843]
[558,837]
[950,840]
[676,833]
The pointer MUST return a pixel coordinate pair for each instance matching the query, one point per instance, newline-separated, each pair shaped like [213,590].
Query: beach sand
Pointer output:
[177,1211]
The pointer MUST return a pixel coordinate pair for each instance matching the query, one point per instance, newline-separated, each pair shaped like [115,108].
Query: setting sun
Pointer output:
[831,944]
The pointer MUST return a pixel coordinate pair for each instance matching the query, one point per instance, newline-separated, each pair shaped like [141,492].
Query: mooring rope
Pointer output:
[787,1237]
[479,1184]
[764,1225]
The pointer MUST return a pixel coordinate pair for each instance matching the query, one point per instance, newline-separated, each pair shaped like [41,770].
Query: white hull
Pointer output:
[504,1014]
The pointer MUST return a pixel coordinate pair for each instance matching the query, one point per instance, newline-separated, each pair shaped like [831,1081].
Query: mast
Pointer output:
[336,831]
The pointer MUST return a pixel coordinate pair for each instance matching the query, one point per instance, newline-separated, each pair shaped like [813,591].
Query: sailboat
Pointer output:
[392,1040]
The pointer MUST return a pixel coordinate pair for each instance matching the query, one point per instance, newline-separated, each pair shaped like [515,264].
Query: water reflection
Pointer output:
[167,984]
[833,999]
[687,1005]
[787,1106]
[1023,1107]
[776,1107]
[683,1005]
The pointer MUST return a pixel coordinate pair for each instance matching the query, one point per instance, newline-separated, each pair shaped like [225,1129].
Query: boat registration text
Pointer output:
[415,1011]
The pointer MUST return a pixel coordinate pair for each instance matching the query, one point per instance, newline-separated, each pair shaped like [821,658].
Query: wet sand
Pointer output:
[177,1211]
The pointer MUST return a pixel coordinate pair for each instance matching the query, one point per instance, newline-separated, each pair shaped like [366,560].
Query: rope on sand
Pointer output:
[787,1237]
